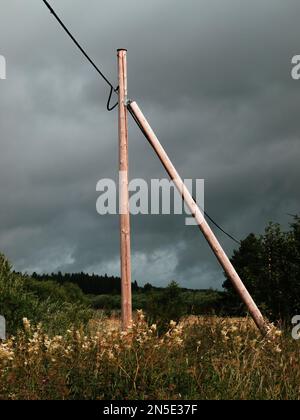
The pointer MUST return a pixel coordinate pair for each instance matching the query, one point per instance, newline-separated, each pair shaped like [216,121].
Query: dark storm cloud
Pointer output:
[214,79]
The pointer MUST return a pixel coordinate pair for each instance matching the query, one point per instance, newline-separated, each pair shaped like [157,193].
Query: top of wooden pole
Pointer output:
[122,49]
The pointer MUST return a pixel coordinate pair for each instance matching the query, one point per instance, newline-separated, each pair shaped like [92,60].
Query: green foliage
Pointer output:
[269,266]
[55,306]
[15,302]
[57,317]
[67,292]
[107,303]
[204,302]
[139,301]
[169,305]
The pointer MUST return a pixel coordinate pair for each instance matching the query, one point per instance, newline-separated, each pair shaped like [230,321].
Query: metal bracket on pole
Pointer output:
[197,214]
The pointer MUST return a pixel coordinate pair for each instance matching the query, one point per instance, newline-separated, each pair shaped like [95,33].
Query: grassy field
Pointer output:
[201,358]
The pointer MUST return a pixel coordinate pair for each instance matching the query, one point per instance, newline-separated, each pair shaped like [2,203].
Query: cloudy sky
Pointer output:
[214,78]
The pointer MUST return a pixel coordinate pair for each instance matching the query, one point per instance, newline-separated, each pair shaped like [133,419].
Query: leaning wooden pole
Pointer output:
[197,214]
[124,194]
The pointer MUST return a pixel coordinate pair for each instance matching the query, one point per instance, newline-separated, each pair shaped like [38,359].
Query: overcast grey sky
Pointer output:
[214,78]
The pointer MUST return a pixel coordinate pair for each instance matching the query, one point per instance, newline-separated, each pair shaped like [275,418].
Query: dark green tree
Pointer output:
[269,265]
[168,305]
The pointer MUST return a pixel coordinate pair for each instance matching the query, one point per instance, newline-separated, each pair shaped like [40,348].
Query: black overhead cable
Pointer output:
[221,229]
[292,215]
[112,88]
[205,213]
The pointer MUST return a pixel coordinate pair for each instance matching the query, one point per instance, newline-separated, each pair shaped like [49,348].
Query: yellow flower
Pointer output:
[26,324]
[141,315]
[6,353]
[110,354]
[178,341]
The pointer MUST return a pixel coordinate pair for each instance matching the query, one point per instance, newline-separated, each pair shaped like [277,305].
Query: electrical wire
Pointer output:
[221,229]
[112,88]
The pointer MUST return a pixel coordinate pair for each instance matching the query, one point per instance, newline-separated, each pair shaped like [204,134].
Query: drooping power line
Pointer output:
[112,88]
[221,229]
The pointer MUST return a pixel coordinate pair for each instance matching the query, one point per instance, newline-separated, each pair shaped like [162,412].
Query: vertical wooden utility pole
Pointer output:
[124,194]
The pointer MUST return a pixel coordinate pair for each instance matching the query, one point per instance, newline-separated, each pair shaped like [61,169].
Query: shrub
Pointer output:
[22,297]
[106,302]
[44,290]
[15,302]
[168,305]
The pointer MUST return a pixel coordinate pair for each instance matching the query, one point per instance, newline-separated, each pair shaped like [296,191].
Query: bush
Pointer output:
[106,302]
[206,302]
[53,305]
[269,266]
[15,302]
[44,290]
[163,307]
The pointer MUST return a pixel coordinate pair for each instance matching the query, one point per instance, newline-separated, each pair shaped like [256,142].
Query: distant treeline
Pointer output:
[104,293]
[268,264]
[90,284]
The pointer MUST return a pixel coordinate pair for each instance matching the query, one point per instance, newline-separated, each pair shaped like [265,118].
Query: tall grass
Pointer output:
[203,358]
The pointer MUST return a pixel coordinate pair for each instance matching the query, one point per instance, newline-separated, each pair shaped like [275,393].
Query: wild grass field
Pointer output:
[60,345]
[200,358]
